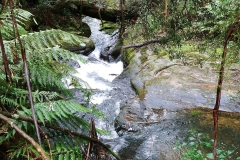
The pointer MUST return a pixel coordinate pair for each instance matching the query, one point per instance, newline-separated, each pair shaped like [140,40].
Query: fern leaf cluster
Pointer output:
[48,53]
[24,19]
[52,38]
[68,150]
[23,150]
[46,45]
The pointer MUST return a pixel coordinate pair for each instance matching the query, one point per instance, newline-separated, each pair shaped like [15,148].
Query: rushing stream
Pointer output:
[153,139]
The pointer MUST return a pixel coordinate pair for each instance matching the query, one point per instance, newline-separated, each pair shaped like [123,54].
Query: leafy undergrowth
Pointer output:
[199,146]
[50,76]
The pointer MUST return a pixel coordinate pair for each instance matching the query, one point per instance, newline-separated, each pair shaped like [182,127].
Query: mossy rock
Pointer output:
[117,50]
[195,112]
[127,56]
[109,27]
[82,30]
[143,58]
[139,87]
[142,93]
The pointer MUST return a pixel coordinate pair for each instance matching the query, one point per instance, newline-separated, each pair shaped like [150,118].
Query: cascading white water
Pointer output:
[99,74]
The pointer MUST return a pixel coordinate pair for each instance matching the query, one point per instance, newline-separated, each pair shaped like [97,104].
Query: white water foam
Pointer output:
[98,74]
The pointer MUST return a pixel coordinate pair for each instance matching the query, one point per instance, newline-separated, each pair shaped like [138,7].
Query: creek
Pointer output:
[155,136]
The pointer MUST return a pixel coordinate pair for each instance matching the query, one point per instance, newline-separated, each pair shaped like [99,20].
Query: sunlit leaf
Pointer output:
[210,155]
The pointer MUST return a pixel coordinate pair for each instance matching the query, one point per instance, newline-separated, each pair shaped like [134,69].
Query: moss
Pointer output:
[229,119]
[143,58]
[141,93]
[127,56]
[154,81]
[109,27]
[188,48]
[162,54]
[195,112]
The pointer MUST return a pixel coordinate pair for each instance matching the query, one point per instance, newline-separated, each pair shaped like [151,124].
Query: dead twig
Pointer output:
[162,40]
[27,137]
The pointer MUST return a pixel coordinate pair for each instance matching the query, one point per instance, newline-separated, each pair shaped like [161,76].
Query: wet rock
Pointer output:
[85,48]
[169,84]
[109,27]
[131,113]
[112,51]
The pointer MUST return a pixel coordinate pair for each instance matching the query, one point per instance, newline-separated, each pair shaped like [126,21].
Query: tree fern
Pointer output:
[53,41]
[23,150]
[24,19]
[48,53]
[69,149]
[54,38]
[8,101]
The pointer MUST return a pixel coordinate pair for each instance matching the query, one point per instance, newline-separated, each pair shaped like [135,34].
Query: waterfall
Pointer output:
[98,73]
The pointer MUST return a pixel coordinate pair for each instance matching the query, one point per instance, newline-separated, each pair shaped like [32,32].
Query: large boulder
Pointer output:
[85,48]
[165,86]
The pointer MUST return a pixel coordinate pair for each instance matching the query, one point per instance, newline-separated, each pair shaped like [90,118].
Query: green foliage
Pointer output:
[24,19]
[64,146]
[23,150]
[198,147]
[217,16]
[51,42]
[186,20]
[203,25]
[51,76]
[196,112]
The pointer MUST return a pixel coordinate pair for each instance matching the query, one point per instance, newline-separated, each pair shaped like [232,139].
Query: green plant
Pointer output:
[198,146]
[195,112]
[58,122]
[24,19]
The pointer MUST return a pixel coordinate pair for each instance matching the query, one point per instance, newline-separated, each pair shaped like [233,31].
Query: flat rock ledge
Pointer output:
[165,86]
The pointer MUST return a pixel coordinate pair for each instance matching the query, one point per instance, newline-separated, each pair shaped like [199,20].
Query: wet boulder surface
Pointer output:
[172,99]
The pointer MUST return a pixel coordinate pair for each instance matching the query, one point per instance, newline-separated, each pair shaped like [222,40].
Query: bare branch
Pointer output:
[48,125]
[162,40]
[27,137]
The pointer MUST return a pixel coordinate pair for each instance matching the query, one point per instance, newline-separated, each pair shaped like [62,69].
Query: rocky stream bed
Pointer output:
[150,105]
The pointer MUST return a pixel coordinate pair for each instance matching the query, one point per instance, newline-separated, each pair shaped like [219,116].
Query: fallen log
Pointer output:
[92,10]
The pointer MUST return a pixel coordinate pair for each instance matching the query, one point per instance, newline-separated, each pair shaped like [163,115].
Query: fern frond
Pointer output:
[54,54]
[50,44]
[8,101]
[53,38]
[2,75]
[68,155]
[8,32]
[75,123]
[65,146]
[38,96]
[73,107]
[24,20]
[57,110]
[46,77]
[5,134]
[48,53]
[23,150]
